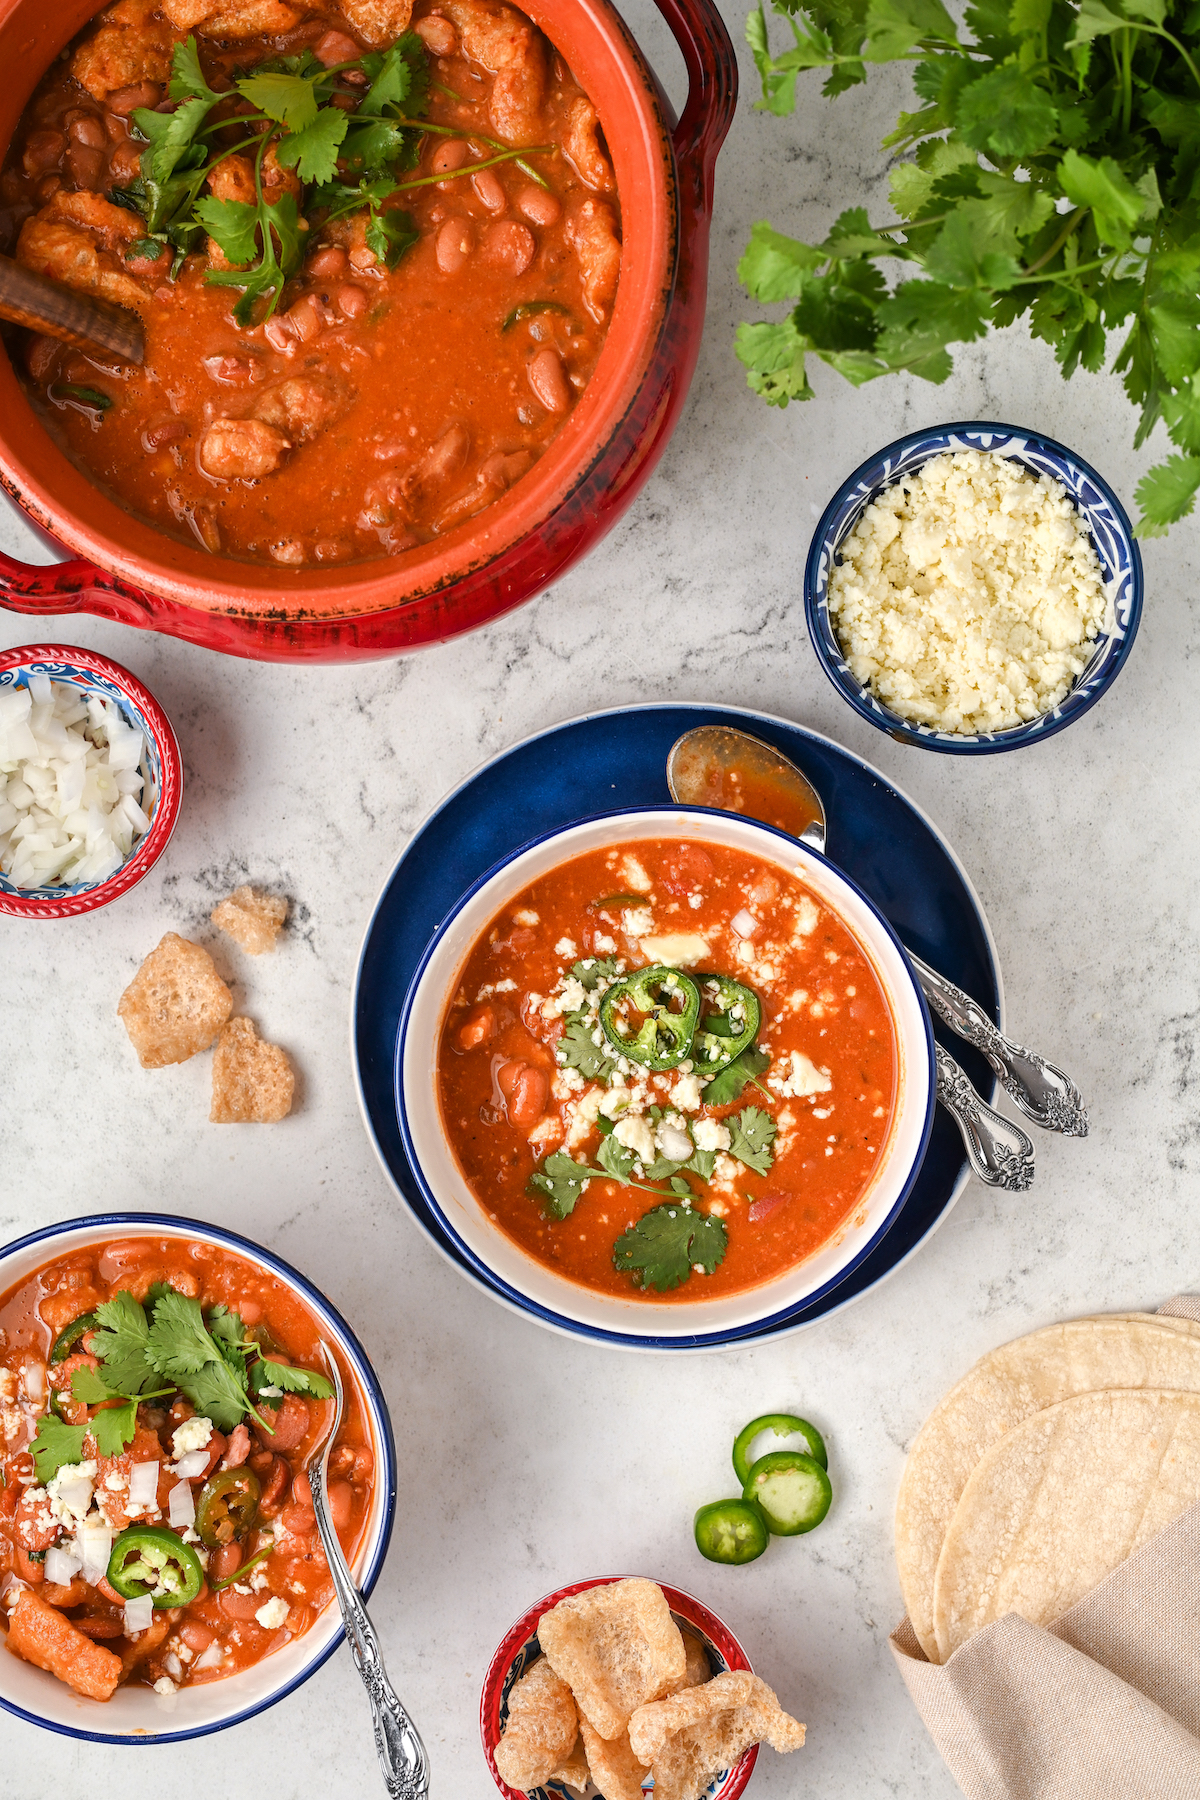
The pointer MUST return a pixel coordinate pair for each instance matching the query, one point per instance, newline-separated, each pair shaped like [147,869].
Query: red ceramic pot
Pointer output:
[589,474]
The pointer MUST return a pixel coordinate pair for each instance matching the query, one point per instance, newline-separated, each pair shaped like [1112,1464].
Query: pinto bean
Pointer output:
[336,47]
[127,99]
[274,1479]
[86,167]
[477,1028]
[97,1627]
[539,207]
[450,154]
[43,150]
[548,379]
[446,457]
[47,187]
[170,431]
[289,1426]
[239,1448]
[328,263]
[87,128]
[525,1092]
[196,1636]
[341,1504]
[306,318]
[437,34]
[490,188]
[763,891]
[225,1561]
[509,246]
[125,163]
[229,370]
[238,1606]
[455,242]
[352,303]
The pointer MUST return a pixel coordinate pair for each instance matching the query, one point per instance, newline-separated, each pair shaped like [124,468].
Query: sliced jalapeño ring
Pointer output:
[651,1016]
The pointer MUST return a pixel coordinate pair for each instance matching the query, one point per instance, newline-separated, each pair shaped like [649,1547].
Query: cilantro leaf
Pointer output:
[1167,493]
[390,234]
[89,1385]
[187,77]
[591,971]
[114,1427]
[728,1085]
[667,1243]
[894,26]
[313,151]
[289,99]
[216,1391]
[180,1342]
[702,1163]
[751,1135]
[576,1050]
[55,1446]
[378,146]
[171,137]
[293,1381]
[122,1344]
[399,77]
[558,1184]
[615,1159]
[233,224]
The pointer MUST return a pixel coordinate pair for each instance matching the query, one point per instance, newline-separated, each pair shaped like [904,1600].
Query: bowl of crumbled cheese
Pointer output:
[90,781]
[973,588]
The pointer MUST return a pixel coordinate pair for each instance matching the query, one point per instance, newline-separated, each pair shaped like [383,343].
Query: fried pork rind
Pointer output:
[689,1738]
[617,1647]
[541,1730]
[252,919]
[574,1772]
[698,1669]
[176,1003]
[614,1768]
[252,1081]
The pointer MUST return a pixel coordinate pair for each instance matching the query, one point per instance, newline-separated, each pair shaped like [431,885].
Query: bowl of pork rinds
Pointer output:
[617,1683]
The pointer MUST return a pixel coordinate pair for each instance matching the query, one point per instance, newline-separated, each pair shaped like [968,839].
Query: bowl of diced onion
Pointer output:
[91,781]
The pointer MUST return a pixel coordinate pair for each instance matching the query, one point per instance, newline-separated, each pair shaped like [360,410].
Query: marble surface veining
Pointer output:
[526,1461]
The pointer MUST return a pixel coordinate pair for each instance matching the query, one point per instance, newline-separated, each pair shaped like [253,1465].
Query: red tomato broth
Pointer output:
[32,1314]
[829,1144]
[409,399]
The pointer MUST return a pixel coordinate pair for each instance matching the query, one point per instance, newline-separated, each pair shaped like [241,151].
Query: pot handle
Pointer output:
[68,587]
[708,53]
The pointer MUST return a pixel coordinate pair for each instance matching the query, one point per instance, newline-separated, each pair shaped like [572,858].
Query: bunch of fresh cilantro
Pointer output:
[164,1346]
[346,160]
[1054,174]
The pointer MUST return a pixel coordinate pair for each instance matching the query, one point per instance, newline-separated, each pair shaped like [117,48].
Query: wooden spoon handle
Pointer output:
[44,305]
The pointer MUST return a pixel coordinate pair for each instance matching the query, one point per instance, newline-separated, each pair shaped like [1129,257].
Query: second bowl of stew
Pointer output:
[664,1073]
[160,1571]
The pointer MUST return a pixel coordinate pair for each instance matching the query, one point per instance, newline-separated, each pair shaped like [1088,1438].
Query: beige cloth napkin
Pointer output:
[1102,1705]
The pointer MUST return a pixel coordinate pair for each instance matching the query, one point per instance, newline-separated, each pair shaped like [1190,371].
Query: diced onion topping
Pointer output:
[194,1463]
[744,923]
[59,1566]
[35,1382]
[143,1484]
[139,1615]
[75,786]
[210,1658]
[182,1506]
[95,1547]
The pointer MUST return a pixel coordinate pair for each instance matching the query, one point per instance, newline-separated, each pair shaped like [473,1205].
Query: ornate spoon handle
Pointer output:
[999,1151]
[401,1753]
[1043,1093]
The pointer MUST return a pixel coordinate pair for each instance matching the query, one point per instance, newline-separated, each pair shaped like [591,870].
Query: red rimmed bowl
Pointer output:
[587,477]
[93,674]
[521,1647]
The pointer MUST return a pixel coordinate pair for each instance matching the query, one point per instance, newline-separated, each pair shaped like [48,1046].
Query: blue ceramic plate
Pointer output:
[618,759]
[1112,534]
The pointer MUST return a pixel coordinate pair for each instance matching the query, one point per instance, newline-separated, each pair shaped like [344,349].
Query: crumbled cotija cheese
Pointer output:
[969,595]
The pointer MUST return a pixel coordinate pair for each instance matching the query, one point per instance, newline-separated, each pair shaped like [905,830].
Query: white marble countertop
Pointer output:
[526,1461]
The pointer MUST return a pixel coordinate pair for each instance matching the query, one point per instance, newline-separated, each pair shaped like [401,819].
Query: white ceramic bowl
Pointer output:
[528,1282]
[136,1715]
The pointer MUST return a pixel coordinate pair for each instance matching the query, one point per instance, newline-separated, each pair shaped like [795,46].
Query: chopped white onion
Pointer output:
[172,1665]
[95,1547]
[75,788]
[182,1506]
[744,923]
[59,1566]
[35,1381]
[143,1484]
[210,1658]
[74,1496]
[191,1464]
[139,1615]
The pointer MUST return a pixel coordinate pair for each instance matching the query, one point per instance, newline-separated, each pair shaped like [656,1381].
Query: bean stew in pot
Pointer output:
[375,251]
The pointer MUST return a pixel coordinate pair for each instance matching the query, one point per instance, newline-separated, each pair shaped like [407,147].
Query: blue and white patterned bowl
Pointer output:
[1111,532]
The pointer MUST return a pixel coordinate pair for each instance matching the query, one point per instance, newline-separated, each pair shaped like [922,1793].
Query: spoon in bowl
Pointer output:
[715,765]
[402,1756]
[27,298]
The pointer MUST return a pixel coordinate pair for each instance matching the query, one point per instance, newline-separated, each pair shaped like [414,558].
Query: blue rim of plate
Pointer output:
[1112,533]
[706,1340]
[124,1221]
[877,836]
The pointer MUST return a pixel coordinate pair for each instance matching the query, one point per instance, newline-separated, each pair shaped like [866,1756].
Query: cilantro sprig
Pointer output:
[1052,155]
[667,1243]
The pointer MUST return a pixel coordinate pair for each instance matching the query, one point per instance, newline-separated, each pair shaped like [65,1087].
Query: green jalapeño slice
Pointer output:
[149,1559]
[729,1019]
[651,1016]
[730,1531]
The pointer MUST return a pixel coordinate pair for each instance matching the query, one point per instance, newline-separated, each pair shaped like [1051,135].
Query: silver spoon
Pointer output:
[999,1151]
[401,1753]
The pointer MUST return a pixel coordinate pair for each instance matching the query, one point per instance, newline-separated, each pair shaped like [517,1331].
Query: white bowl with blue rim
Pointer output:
[1106,520]
[508,1270]
[137,1715]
